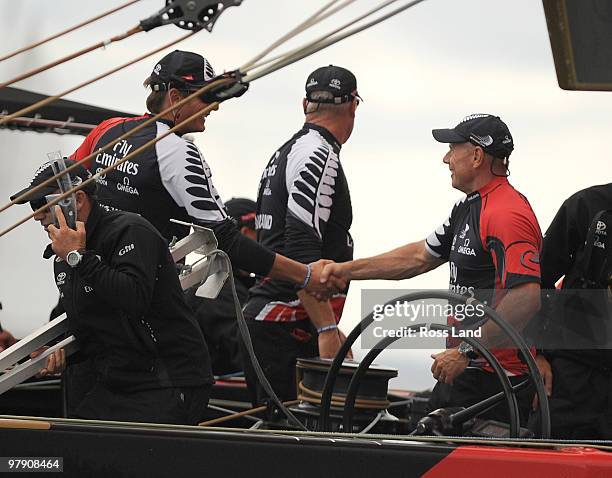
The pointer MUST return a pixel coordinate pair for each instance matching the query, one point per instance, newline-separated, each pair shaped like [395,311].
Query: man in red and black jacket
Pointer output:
[492,242]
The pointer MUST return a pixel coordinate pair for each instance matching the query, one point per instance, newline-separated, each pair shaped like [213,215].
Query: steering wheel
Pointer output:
[453,420]
[330,379]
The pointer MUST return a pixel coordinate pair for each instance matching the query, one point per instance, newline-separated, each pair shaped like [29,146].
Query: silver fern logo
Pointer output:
[483,141]
[41,168]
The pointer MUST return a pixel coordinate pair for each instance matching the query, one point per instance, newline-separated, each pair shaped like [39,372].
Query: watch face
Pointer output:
[73,258]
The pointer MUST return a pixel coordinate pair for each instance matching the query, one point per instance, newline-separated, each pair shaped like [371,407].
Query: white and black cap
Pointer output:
[338,81]
[182,70]
[78,175]
[484,130]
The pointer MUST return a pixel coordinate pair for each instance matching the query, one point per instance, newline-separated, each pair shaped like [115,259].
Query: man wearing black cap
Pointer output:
[492,242]
[217,317]
[172,180]
[124,303]
[304,211]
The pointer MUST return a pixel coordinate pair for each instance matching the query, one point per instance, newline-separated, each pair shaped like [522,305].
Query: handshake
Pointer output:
[328,278]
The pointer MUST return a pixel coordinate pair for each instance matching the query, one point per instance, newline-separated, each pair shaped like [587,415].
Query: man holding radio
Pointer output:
[124,303]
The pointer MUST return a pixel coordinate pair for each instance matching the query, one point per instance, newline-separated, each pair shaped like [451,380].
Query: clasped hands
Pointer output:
[328,278]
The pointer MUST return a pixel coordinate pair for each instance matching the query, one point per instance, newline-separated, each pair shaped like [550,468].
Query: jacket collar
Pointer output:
[330,138]
[493,184]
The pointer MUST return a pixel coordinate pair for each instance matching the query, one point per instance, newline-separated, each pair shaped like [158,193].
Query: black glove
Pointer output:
[226,91]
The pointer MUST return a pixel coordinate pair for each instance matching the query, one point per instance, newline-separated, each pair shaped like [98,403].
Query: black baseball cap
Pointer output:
[484,130]
[338,81]
[182,69]
[44,172]
[243,211]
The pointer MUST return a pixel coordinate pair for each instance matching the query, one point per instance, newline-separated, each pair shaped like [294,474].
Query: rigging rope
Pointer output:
[107,146]
[315,18]
[68,30]
[40,69]
[245,413]
[53,98]
[187,14]
[285,60]
[210,107]
[316,46]
[322,37]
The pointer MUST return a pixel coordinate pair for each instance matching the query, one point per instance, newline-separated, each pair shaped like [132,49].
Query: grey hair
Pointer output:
[315,107]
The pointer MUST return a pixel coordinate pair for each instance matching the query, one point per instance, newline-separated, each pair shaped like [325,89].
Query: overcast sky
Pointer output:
[424,69]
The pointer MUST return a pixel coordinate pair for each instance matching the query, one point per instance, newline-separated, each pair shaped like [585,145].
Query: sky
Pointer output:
[425,68]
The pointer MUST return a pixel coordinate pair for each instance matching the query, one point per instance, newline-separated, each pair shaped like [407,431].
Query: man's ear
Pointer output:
[174,95]
[479,156]
[304,105]
[81,197]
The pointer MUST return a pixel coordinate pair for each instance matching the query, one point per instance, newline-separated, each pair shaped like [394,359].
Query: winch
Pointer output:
[371,404]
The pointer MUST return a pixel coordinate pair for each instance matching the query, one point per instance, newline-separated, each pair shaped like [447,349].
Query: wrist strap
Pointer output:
[325,328]
[308,276]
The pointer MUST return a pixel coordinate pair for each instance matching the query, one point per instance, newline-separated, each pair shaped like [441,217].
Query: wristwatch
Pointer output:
[467,350]
[73,258]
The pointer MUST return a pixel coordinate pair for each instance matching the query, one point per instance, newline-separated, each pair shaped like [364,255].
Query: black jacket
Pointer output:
[573,320]
[126,307]
[567,233]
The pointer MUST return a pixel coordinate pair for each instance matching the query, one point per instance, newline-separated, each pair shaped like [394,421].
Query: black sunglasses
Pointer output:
[38,203]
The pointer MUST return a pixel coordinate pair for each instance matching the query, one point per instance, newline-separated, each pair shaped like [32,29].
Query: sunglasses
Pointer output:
[38,203]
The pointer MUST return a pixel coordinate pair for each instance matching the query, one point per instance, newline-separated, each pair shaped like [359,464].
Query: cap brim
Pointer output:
[447,136]
[41,193]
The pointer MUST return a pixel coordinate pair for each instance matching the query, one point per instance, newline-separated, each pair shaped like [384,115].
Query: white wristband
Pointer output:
[325,328]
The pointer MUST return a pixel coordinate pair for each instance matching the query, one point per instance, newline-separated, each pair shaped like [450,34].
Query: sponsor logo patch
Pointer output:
[61,278]
[126,249]
[335,83]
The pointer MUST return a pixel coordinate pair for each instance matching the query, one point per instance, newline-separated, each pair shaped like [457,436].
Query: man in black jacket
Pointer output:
[124,303]
[580,370]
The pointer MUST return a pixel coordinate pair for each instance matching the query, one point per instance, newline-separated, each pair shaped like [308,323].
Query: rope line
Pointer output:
[315,18]
[107,146]
[53,98]
[316,46]
[68,30]
[322,37]
[148,144]
[314,397]
[252,411]
[285,60]
[72,56]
